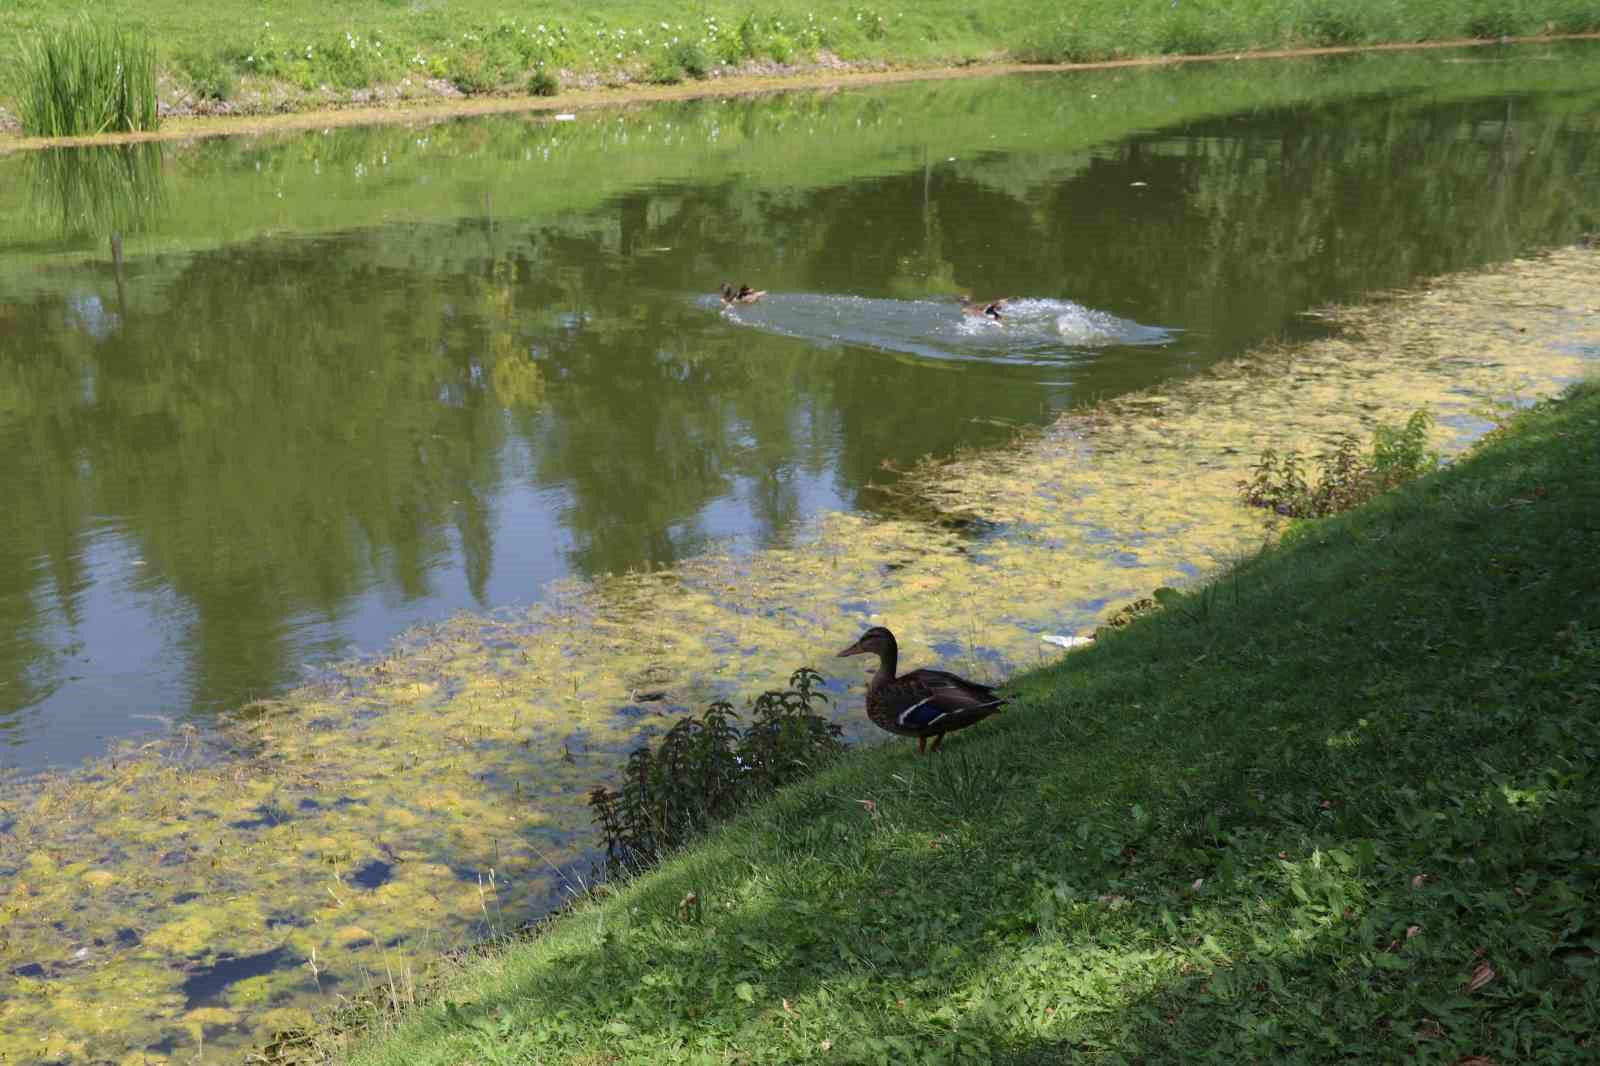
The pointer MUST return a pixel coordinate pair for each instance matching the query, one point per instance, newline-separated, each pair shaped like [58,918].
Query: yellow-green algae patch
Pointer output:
[175,893]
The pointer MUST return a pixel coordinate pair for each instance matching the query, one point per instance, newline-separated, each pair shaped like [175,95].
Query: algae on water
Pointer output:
[417,801]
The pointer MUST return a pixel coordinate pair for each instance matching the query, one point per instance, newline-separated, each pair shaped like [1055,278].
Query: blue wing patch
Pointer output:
[922,714]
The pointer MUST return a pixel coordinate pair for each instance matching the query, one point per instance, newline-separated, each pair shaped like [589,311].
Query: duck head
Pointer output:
[875,641]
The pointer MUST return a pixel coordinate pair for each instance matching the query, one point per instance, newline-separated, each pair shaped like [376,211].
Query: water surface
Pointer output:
[265,402]
[269,401]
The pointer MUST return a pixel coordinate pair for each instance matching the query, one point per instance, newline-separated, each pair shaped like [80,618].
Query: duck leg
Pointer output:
[922,745]
[938,742]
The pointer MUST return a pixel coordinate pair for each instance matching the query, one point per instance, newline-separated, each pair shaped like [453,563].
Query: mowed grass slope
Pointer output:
[251,53]
[1337,805]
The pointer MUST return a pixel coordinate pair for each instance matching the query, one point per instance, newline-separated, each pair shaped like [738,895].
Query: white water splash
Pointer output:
[1030,331]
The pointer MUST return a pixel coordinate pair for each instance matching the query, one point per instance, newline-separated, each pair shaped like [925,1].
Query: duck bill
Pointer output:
[854,649]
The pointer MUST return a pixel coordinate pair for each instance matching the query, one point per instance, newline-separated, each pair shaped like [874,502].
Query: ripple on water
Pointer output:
[1033,331]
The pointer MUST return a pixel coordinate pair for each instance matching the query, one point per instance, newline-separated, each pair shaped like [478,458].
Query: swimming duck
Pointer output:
[923,703]
[989,309]
[744,295]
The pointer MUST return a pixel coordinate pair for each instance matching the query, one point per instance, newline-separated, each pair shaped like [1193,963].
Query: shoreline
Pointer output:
[823,78]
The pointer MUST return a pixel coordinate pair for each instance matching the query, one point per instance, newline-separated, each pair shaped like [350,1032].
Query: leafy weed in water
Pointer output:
[1347,477]
[706,769]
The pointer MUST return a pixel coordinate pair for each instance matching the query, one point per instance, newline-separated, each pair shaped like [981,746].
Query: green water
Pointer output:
[266,403]
[332,384]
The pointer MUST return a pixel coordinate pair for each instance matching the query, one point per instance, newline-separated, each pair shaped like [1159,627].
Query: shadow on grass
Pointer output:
[1335,806]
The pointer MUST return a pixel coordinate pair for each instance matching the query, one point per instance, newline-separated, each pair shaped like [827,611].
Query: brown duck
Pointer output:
[743,295]
[989,309]
[923,703]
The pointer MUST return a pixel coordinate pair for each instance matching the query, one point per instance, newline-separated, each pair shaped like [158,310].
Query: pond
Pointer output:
[370,492]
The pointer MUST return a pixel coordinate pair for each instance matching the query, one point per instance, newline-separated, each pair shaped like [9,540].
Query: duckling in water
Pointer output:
[744,295]
[989,309]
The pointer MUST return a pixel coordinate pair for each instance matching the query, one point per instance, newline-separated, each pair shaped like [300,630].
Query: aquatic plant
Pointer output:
[88,77]
[706,769]
[1347,476]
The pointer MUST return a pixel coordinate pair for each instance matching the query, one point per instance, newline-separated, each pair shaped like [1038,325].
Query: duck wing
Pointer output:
[924,699]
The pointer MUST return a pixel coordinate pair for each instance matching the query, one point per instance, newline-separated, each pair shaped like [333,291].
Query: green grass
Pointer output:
[1336,805]
[238,47]
[87,77]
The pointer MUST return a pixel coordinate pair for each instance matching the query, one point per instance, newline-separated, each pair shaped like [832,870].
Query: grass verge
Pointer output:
[1337,805]
[232,56]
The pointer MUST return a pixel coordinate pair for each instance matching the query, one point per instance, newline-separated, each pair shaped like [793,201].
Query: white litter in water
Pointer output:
[1066,642]
[566,118]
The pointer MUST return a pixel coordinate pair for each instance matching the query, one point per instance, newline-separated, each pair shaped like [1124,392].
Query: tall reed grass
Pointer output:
[88,77]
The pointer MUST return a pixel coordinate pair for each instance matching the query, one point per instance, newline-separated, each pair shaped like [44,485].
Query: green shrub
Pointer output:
[663,71]
[690,58]
[88,78]
[471,73]
[1189,33]
[750,36]
[543,83]
[1075,41]
[1492,22]
[780,48]
[686,59]
[874,27]
[1347,477]
[210,76]
[705,769]
[1330,25]
[1582,16]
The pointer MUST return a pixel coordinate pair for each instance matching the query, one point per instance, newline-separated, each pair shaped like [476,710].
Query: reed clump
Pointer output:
[88,77]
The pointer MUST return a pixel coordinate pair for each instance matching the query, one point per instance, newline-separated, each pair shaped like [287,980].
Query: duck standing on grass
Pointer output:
[744,295]
[923,703]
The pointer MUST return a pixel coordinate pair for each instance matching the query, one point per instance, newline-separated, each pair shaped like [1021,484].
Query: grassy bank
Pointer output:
[235,56]
[1336,805]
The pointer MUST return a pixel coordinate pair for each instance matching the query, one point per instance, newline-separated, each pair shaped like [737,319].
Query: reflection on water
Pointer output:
[1029,331]
[97,192]
[267,401]
[359,380]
